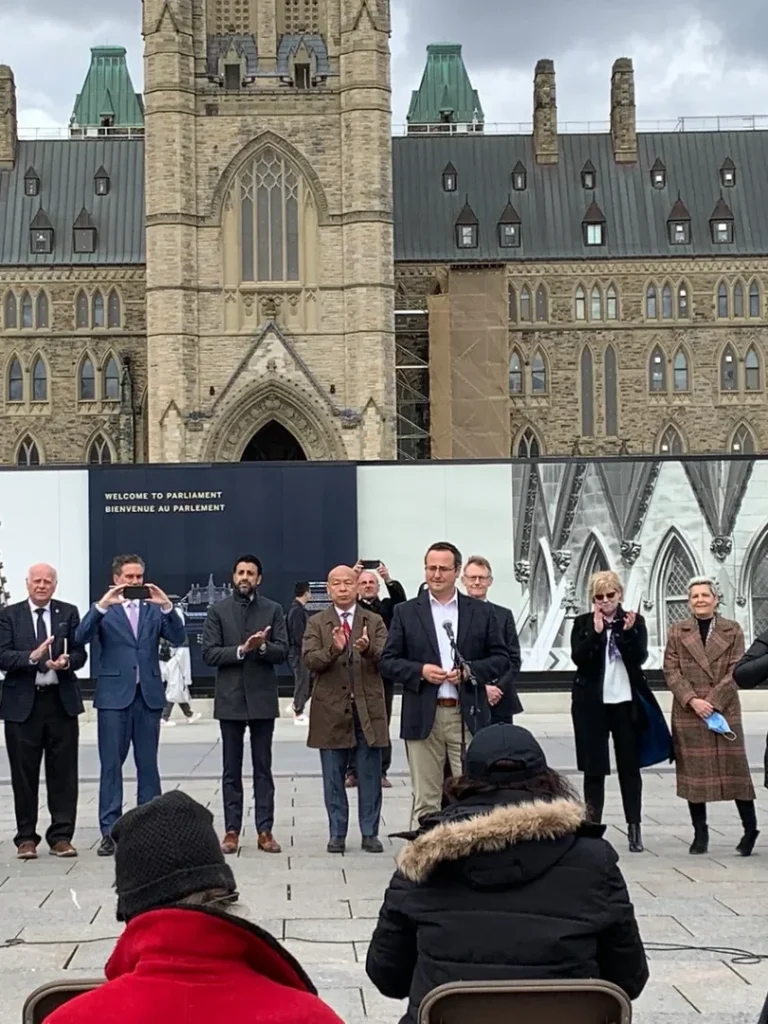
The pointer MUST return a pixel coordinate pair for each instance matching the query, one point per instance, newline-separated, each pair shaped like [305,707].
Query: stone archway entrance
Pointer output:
[273,443]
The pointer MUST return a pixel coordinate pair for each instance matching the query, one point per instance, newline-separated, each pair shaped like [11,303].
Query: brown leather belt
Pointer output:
[447,702]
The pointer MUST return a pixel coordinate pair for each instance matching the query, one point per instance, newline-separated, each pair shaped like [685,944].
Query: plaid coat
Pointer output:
[709,767]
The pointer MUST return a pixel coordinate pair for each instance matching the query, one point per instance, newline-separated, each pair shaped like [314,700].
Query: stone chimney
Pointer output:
[7,118]
[545,113]
[623,113]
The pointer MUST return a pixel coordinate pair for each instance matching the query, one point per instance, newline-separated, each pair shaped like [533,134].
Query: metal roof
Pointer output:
[445,88]
[108,90]
[554,203]
[66,170]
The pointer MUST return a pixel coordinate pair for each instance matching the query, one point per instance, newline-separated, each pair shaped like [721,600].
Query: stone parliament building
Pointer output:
[244,264]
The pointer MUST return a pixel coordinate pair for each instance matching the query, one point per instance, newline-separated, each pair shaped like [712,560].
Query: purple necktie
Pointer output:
[133,617]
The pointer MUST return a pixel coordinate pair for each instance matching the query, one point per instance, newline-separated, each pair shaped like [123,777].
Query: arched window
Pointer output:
[666,303]
[111,380]
[743,441]
[515,373]
[81,311]
[269,219]
[596,303]
[657,372]
[525,305]
[752,371]
[611,303]
[27,315]
[97,310]
[671,443]
[9,312]
[87,382]
[680,372]
[41,311]
[28,455]
[758,578]
[738,299]
[512,302]
[678,569]
[728,372]
[611,389]
[683,307]
[722,301]
[39,381]
[15,381]
[580,304]
[528,446]
[538,374]
[113,309]
[754,299]
[100,454]
[587,393]
[594,560]
[542,304]
[651,302]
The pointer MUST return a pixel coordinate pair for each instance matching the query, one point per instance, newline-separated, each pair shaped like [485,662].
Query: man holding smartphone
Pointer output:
[128,623]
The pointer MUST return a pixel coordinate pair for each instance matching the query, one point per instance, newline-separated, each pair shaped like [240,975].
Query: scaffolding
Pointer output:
[412,384]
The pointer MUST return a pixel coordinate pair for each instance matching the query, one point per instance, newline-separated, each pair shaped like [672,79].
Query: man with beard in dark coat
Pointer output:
[368,588]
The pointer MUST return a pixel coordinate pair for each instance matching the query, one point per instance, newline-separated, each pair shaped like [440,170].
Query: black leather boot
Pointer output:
[700,842]
[747,844]
[635,839]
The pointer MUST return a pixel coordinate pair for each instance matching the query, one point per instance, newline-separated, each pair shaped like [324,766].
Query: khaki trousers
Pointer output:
[426,762]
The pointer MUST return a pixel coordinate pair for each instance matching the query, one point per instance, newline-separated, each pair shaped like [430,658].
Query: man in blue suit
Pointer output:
[129,690]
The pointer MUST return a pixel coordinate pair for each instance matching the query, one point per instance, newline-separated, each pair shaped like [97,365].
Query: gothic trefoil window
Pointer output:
[683,305]
[10,311]
[538,374]
[526,313]
[651,302]
[87,382]
[111,380]
[738,300]
[28,454]
[27,315]
[15,381]
[752,371]
[39,381]
[515,374]
[611,303]
[680,372]
[671,443]
[580,304]
[269,216]
[666,303]
[100,454]
[542,304]
[743,441]
[657,372]
[754,300]
[528,447]
[723,305]
[728,370]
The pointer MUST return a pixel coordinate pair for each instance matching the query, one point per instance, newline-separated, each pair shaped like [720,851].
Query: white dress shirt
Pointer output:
[441,613]
[341,612]
[617,688]
[45,676]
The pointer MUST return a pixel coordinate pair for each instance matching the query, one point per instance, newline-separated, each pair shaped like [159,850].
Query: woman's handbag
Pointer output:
[654,742]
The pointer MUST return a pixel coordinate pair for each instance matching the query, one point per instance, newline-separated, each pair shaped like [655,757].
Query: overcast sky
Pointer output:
[692,57]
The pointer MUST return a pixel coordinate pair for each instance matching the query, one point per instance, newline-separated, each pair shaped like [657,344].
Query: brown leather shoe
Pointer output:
[351,782]
[27,850]
[230,843]
[385,783]
[63,849]
[268,844]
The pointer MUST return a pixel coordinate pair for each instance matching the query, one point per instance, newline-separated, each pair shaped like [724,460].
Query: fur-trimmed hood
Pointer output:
[498,829]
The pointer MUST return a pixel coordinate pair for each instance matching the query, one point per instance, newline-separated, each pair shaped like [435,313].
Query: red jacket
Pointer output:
[194,966]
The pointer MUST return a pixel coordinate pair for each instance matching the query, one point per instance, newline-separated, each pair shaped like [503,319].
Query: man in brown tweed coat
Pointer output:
[699,660]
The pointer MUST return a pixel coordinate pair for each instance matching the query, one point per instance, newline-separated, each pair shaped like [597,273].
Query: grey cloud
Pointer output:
[75,13]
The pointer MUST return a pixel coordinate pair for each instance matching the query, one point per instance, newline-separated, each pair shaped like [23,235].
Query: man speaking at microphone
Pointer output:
[437,697]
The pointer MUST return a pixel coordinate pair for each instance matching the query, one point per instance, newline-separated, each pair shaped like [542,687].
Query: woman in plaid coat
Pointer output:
[699,660]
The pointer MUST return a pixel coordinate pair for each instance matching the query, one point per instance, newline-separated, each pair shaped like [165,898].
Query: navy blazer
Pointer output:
[412,643]
[123,655]
[18,638]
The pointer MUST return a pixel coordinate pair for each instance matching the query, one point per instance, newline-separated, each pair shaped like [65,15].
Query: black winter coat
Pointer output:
[752,670]
[505,889]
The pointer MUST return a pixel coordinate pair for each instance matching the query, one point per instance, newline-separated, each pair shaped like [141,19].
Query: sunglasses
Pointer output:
[606,597]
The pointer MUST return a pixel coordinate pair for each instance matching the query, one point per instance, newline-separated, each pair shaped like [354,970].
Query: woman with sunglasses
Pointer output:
[608,648]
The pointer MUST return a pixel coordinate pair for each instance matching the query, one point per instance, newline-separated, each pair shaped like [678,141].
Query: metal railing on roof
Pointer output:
[85,134]
[732,123]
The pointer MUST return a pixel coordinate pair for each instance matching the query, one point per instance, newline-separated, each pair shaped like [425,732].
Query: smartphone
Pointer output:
[136,593]
[370,563]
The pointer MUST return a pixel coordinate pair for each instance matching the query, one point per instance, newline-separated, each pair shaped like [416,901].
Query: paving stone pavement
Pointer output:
[323,908]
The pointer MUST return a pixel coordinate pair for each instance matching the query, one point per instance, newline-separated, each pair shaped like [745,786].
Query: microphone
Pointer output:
[449,630]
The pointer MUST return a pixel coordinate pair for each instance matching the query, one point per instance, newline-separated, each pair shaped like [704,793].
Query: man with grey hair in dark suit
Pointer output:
[244,637]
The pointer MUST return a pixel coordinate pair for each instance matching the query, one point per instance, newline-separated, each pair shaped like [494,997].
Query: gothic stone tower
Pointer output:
[269,230]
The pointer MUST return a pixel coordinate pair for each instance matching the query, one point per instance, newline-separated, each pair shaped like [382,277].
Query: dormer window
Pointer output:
[466,228]
[519,178]
[728,174]
[84,233]
[31,183]
[589,176]
[593,226]
[509,228]
[721,224]
[450,179]
[41,234]
[232,77]
[679,224]
[659,175]
[101,182]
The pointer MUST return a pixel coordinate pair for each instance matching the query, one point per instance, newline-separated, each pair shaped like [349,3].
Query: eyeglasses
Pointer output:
[606,597]
[477,579]
[440,570]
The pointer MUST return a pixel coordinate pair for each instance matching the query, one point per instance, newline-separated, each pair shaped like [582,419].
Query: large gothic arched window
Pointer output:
[269,219]
[759,589]
[677,569]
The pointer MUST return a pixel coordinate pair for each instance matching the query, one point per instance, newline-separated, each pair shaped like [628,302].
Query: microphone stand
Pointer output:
[466,675]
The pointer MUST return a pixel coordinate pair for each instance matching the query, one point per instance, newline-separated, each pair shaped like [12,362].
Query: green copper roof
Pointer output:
[445,92]
[108,92]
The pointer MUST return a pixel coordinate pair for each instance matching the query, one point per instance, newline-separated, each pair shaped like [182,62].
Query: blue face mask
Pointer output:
[716,723]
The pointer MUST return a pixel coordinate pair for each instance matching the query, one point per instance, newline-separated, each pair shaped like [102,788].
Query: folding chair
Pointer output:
[526,1002]
[50,997]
